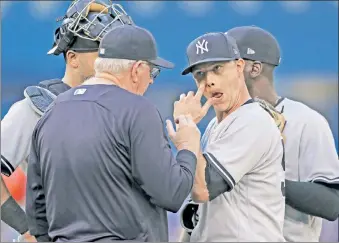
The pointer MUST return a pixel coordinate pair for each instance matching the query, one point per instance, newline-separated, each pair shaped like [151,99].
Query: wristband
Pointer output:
[13,215]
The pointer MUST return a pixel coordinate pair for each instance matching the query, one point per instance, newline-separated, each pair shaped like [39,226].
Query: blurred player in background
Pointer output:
[312,166]
[239,185]
[78,37]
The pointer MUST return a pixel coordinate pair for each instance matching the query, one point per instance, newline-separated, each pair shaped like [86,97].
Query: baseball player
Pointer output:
[312,167]
[83,26]
[239,185]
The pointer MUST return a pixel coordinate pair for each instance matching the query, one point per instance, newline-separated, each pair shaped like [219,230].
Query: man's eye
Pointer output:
[217,68]
[199,74]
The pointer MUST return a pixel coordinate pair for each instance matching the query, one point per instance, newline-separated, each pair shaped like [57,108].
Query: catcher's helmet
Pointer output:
[84,25]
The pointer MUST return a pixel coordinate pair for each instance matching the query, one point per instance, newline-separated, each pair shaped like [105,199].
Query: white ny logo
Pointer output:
[202,46]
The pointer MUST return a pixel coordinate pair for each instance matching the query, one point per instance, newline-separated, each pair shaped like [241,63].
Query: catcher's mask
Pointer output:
[85,24]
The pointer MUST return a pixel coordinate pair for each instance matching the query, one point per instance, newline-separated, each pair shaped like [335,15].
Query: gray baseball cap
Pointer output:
[256,44]
[133,43]
[211,47]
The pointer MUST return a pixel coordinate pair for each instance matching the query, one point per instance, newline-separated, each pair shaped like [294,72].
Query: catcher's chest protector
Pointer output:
[42,95]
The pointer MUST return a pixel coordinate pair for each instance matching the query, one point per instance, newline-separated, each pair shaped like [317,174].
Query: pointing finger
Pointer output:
[206,106]
[200,91]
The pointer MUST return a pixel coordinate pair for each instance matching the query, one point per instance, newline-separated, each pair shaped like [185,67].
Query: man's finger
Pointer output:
[206,106]
[170,129]
[190,94]
[182,96]
[200,91]
[182,120]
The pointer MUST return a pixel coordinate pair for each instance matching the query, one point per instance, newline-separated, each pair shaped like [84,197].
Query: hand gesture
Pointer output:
[191,104]
[187,134]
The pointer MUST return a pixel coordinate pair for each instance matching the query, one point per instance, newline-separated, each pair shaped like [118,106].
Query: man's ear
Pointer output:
[240,65]
[256,69]
[135,72]
[72,59]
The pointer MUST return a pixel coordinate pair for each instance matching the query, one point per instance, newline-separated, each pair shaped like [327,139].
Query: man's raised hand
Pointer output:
[190,104]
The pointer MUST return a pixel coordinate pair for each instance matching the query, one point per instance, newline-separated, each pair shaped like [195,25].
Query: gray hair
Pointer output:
[112,66]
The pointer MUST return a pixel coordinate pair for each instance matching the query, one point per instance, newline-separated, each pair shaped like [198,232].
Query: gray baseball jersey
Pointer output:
[16,133]
[246,149]
[310,155]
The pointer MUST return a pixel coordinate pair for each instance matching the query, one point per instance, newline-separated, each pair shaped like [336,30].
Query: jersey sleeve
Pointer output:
[166,179]
[318,158]
[16,132]
[237,151]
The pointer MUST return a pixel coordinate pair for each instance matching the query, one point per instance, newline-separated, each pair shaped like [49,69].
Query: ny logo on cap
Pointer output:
[201,46]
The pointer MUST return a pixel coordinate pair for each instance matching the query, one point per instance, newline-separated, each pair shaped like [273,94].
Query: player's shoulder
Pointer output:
[111,97]
[129,104]
[211,125]
[22,108]
[126,98]
[19,105]
[250,117]
[20,117]
[139,104]
[296,111]
[253,115]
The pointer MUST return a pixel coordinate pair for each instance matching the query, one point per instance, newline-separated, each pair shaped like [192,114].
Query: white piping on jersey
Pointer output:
[5,162]
[325,179]
[230,180]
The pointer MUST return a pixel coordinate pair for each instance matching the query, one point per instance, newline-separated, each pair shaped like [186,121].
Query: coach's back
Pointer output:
[93,185]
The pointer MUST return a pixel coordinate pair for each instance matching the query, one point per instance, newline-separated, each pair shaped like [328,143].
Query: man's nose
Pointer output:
[210,79]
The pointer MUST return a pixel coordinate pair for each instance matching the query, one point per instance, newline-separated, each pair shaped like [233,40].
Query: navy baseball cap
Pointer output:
[133,43]
[256,44]
[211,47]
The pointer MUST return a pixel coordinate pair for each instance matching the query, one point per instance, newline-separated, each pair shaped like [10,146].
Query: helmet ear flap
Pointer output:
[63,39]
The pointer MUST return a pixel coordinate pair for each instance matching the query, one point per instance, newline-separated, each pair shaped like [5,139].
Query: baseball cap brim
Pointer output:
[160,62]
[189,68]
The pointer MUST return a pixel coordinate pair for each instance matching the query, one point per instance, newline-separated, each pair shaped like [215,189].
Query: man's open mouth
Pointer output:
[217,95]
